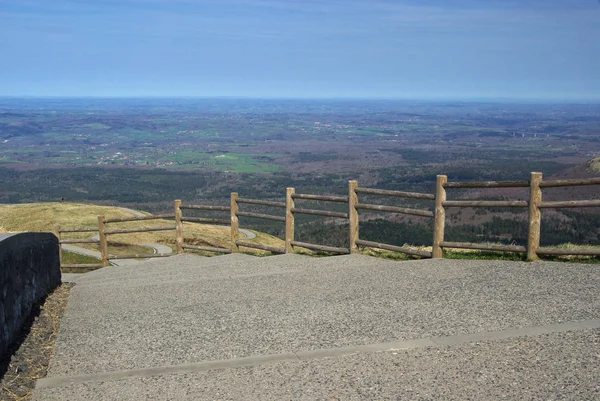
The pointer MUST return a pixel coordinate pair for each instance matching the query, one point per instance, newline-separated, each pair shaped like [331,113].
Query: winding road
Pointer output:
[158,248]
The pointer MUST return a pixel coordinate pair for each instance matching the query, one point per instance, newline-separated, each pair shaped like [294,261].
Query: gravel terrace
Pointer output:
[344,327]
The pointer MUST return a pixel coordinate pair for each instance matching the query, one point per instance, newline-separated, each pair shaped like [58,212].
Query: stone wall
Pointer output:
[29,270]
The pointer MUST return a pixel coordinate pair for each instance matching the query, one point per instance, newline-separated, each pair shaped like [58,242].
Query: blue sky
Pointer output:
[525,49]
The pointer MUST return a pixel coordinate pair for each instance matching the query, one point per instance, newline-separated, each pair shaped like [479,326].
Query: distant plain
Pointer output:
[144,153]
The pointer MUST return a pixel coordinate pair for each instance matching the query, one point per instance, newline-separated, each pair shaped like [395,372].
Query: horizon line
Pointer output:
[491,99]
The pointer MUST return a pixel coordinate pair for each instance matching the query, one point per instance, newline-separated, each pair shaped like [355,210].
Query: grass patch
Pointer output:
[6,159]
[573,259]
[70,258]
[483,255]
[473,254]
[381,253]
[95,126]
[231,162]
[42,217]
[120,249]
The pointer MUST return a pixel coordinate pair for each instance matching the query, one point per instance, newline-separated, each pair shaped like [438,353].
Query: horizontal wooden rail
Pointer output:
[78,230]
[137,256]
[207,248]
[79,241]
[487,184]
[326,198]
[321,247]
[455,203]
[261,202]
[484,247]
[261,216]
[83,265]
[139,230]
[394,248]
[206,207]
[570,183]
[140,218]
[566,252]
[579,203]
[206,220]
[320,213]
[261,247]
[399,194]
[394,209]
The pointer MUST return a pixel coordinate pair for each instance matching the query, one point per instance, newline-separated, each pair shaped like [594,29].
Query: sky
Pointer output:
[397,49]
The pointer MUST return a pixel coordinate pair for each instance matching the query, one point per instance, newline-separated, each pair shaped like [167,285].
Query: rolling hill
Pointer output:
[46,216]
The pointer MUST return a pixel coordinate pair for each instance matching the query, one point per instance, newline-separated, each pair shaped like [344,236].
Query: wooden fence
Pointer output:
[59,234]
[292,210]
[101,238]
[104,233]
[438,214]
[535,185]
[180,219]
[235,226]
[355,242]
[439,200]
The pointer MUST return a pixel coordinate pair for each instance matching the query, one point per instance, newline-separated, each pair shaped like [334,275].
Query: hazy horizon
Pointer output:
[498,100]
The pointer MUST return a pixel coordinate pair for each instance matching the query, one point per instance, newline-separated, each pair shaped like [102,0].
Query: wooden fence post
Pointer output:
[440,217]
[535,216]
[353,215]
[58,235]
[178,227]
[289,220]
[235,223]
[103,242]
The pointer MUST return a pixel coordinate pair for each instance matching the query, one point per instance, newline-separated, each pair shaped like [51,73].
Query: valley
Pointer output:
[144,153]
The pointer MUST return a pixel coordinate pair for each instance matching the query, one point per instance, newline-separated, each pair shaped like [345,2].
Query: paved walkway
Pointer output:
[346,327]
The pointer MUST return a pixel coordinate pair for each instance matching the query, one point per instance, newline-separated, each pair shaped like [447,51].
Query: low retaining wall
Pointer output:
[29,270]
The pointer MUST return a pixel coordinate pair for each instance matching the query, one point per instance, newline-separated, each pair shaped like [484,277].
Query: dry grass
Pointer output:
[45,216]
[459,253]
[594,165]
[30,361]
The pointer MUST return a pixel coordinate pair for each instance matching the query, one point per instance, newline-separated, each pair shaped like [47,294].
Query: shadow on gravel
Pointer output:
[21,337]
[28,357]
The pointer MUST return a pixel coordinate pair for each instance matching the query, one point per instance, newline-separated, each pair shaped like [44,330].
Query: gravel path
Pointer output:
[344,327]
[159,248]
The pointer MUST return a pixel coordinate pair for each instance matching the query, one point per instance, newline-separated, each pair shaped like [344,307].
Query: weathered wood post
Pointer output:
[58,235]
[440,217]
[353,215]
[289,220]
[103,242]
[235,223]
[178,227]
[535,216]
